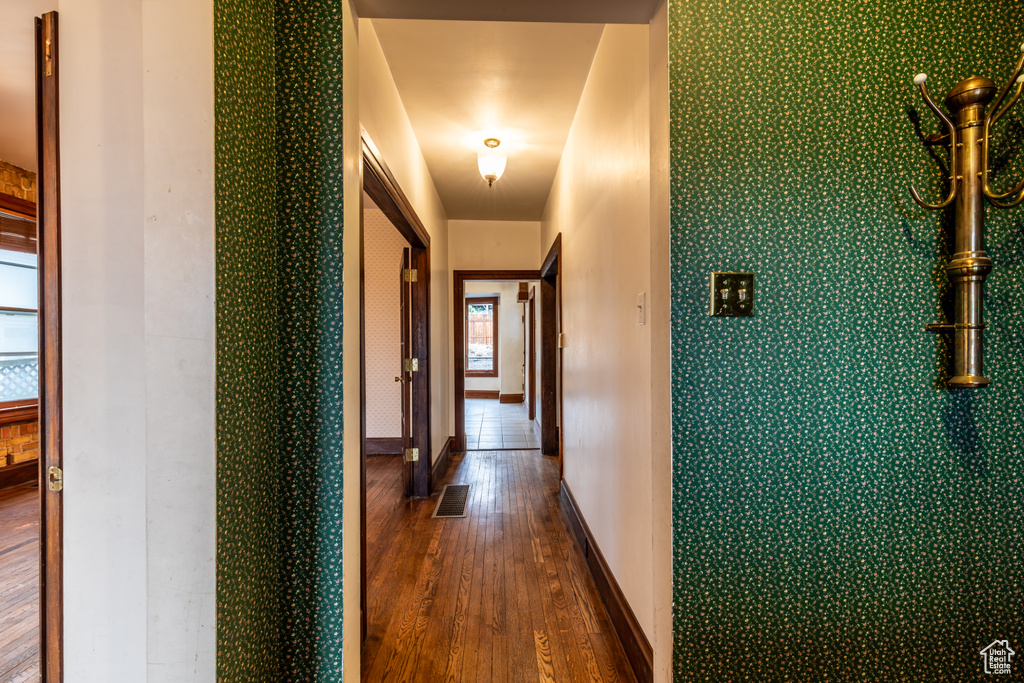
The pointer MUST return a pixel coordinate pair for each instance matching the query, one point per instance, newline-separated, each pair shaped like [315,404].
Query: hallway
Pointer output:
[500,426]
[501,595]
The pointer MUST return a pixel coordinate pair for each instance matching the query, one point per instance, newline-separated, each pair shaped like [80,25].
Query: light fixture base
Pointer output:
[492,142]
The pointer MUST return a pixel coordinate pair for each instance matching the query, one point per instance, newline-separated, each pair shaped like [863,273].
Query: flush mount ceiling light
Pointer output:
[491,161]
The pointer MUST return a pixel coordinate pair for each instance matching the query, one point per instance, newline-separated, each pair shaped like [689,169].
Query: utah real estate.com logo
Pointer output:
[997,657]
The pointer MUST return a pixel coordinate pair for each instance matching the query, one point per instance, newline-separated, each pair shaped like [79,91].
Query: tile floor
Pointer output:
[499,426]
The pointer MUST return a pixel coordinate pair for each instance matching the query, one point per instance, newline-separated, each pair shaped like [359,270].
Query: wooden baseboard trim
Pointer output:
[511,398]
[16,412]
[634,642]
[22,473]
[471,393]
[384,446]
[440,467]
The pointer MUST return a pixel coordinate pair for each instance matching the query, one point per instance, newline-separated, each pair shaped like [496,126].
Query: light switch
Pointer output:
[641,308]
[732,295]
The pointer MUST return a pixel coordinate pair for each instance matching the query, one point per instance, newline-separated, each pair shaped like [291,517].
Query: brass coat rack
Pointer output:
[968,141]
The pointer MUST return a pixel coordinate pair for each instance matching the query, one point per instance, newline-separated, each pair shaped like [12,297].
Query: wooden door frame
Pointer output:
[51,504]
[459,279]
[531,349]
[550,359]
[380,185]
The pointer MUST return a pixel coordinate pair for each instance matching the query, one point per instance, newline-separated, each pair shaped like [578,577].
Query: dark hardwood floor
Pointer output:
[503,594]
[19,584]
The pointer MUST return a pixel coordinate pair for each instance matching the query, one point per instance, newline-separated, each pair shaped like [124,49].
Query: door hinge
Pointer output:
[412,364]
[410,275]
[55,479]
[412,454]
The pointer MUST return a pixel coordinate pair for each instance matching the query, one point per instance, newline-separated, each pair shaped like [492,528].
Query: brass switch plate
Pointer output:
[732,295]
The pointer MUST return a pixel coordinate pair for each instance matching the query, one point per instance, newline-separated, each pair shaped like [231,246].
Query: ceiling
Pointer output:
[462,82]
[567,11]
[17,82]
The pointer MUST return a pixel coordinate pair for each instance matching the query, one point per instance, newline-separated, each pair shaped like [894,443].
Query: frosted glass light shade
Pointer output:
[492,164]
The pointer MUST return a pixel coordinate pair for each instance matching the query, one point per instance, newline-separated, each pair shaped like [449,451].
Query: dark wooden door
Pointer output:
[405,308]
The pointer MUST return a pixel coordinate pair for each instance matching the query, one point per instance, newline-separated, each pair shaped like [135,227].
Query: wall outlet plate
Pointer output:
[732,295]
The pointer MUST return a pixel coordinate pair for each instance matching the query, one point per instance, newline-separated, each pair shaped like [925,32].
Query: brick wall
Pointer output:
[19,443]
[17,182]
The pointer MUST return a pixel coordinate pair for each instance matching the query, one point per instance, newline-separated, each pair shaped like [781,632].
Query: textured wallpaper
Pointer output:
[248,648]
[310,224]
[382,251]
[839,514]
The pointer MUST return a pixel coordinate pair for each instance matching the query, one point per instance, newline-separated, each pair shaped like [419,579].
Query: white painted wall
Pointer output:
[138,245]
[601,204]
[351,534]
[659,318]
[383,116]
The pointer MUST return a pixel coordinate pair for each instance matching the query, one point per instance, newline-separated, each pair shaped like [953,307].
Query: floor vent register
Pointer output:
[453,501]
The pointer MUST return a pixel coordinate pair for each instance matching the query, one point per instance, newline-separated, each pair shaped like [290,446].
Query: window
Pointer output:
[19,318]
[482,336]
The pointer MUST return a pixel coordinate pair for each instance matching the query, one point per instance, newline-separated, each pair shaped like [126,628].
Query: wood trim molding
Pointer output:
[384,446]
[627,628]
[441,463]
[51,382]
[495,302]
[15,412]
[475,393]
[22,473]
[511,398]
[22,208]
[387,194]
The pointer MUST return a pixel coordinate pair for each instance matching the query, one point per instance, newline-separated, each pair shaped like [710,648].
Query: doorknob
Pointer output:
[398,379]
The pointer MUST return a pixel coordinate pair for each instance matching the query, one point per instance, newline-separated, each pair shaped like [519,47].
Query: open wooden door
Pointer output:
[51,476]
[405,374]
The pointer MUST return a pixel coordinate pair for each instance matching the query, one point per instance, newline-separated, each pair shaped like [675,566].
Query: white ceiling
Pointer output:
[567,11]
[17,81]
[464,81]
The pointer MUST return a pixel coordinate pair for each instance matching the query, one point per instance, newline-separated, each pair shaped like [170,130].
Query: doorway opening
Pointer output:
[394,287]
[499,356]
[538,400]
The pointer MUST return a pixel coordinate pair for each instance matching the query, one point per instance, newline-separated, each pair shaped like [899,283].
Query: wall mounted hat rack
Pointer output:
[968,141]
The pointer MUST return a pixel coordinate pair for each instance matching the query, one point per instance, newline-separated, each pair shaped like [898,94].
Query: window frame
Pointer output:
[494,301]
[26,409]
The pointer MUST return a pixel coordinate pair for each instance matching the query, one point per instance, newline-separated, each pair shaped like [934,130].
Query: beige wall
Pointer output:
[382,258]
[383,116]
[138,255]
[601,204]
[494,245]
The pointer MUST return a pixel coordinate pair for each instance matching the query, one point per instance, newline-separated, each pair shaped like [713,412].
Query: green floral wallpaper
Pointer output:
[248,646]
[310,220]
[839,515]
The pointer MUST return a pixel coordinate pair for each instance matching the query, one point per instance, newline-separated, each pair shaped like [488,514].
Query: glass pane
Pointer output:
[18,280]
[481,337]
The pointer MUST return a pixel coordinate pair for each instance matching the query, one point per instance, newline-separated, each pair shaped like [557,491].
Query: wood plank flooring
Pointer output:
[19,585]
[503,594]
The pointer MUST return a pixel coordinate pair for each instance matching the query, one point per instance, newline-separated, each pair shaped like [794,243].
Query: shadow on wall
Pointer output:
[962,429]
